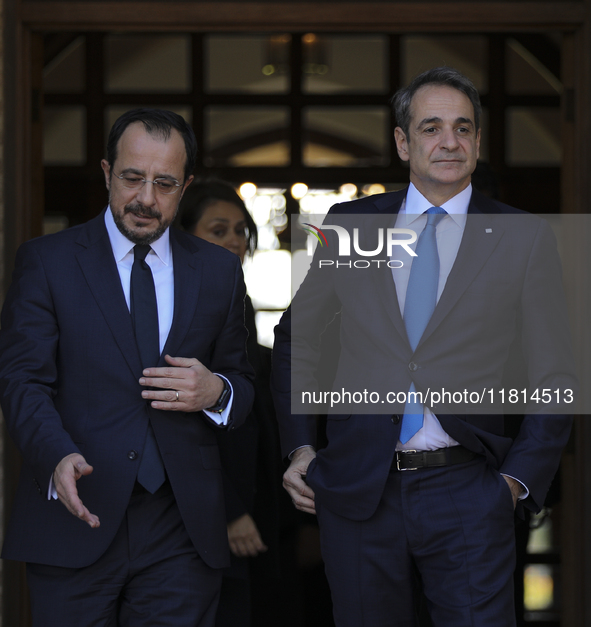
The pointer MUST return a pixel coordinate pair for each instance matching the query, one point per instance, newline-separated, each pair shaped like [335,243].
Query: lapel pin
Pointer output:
[488,230]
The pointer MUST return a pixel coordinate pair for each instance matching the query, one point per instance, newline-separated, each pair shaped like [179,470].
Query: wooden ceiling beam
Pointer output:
[306,16]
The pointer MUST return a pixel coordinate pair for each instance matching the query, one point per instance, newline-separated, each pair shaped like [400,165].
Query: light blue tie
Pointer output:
[421,298]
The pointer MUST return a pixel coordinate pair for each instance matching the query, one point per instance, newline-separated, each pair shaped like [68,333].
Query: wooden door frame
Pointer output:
[25,20]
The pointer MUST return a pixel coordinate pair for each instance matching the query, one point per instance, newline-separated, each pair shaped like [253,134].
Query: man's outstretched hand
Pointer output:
[67,472]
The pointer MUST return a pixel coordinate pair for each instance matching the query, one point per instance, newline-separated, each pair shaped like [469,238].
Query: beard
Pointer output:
[141,236]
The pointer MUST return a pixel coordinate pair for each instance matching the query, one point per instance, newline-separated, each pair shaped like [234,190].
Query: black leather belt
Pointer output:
[413,460]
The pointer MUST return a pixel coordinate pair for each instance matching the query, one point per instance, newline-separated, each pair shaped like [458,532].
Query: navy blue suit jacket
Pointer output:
[69,382]
[505,285]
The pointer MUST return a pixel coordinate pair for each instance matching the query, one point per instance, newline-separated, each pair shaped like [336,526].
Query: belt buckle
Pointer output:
[398,460]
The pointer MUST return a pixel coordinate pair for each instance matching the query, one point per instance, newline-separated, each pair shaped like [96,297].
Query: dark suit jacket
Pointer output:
[69,382]
[505,282]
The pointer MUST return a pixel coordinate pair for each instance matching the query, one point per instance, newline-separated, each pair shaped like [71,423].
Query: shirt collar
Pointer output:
[122,246]
[457,206]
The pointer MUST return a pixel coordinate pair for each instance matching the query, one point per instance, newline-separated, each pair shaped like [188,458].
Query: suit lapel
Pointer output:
[382,277]
[476,247]
[188,269]
[100,270]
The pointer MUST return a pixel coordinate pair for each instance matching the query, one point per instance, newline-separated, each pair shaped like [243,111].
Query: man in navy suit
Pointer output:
[119,511]
[430,508]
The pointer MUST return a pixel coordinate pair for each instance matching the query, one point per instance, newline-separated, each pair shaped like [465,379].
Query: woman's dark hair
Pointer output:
[158,123]
[202,194]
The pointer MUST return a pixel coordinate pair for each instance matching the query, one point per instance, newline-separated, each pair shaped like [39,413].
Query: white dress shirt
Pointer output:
[449,236]
[449,232]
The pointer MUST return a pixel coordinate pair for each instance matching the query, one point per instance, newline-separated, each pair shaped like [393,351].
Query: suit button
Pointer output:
[132,455]
[395,419]
[412,366]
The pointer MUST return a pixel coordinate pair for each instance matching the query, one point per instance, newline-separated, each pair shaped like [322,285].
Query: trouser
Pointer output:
[448,530]
[150,576]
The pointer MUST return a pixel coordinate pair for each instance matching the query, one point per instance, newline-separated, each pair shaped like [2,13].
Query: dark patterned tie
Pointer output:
[144,316]
[421,298]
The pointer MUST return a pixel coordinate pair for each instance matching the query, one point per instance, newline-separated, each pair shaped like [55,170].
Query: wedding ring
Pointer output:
[177,395]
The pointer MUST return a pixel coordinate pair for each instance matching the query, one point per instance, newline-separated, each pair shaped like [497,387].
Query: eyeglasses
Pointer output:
[161,185]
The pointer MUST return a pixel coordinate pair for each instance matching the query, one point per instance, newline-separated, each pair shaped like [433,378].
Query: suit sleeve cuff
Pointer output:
[221,418]
[51,491]
[298,448]
[524,493]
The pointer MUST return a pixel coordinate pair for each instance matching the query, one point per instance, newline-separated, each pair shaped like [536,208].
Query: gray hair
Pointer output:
[446,76]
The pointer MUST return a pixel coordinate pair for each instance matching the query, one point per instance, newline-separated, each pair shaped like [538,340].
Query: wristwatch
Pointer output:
[223,400]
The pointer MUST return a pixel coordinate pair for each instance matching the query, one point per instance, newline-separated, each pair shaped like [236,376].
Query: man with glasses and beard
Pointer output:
[122,351]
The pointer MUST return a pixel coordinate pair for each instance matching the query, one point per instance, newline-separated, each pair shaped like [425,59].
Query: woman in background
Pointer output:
[251,459]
